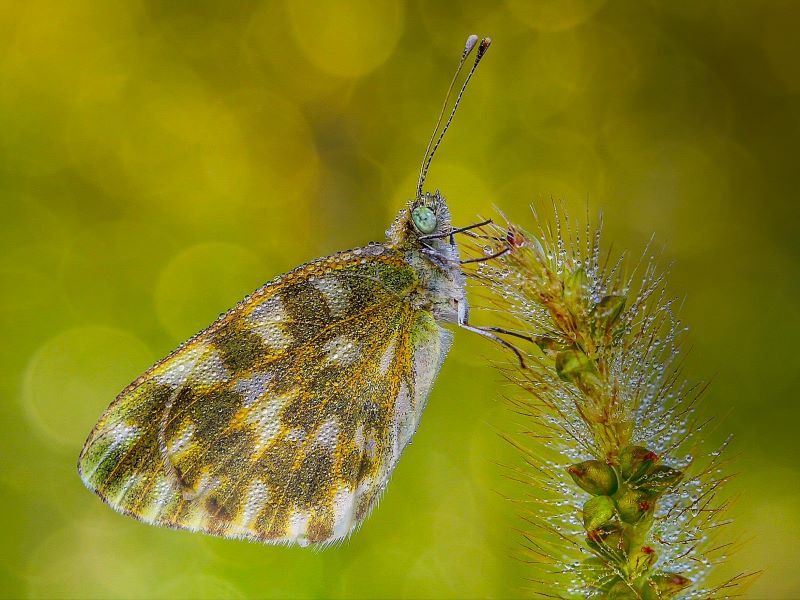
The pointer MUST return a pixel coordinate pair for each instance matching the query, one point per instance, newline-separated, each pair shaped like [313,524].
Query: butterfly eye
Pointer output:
[424,219]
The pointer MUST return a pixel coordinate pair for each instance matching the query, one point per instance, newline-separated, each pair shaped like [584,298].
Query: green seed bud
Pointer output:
[664,585]
[520,241]
[575,284]
[636,461]
[548,345]
[597,512]
[571,364]
[608,310]
[608,542]
[594,476]
[537,247]
[641,560]
[660,479]
[574,366]
[516,237]
[633,504]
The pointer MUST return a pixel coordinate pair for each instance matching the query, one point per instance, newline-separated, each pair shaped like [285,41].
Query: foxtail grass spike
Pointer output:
[626,495]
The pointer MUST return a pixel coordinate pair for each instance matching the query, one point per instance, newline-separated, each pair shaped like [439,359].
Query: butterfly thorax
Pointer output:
[433,255]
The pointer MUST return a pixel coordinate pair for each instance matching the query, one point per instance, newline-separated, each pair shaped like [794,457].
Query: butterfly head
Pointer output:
[425,217]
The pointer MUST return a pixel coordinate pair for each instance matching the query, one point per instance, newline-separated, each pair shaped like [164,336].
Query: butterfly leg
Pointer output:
[521,336]
[498,254]
[479,236]
[496,338]
[443,262]
[453,231]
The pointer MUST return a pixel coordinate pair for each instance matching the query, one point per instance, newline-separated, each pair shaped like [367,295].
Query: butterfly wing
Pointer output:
[282,421]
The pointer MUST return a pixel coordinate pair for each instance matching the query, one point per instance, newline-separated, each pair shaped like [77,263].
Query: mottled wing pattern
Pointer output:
[283,420]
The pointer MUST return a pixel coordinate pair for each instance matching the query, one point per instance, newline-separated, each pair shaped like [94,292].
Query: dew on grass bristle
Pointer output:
[640,399]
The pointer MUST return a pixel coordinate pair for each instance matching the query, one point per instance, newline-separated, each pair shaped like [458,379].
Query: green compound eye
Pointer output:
[424,219]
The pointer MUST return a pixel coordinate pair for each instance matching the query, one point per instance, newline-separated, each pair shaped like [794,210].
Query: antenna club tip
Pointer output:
[430,151]
[471,41]
[485,43]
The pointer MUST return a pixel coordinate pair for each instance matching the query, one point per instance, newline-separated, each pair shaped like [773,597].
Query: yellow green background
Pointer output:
[160,160]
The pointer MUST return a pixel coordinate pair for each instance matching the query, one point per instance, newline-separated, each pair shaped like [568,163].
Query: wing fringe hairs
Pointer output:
[623,500]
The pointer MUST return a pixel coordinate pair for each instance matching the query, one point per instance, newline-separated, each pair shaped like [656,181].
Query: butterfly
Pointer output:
[283,420]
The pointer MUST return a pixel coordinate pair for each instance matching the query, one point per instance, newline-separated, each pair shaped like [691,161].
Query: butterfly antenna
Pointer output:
[429,153]
[471,41]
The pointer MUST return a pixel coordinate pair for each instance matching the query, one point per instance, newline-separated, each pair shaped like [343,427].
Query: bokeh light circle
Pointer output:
[202,282]
[350,47]
[73,377]
[549,15]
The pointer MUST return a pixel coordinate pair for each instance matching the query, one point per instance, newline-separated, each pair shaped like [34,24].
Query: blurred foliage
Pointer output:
[159,160]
